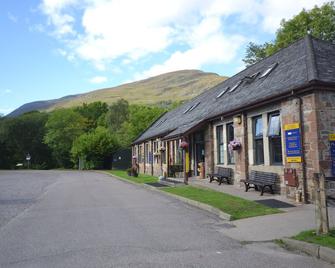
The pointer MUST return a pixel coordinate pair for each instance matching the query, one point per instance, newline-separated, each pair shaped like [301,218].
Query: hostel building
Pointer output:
[277,115]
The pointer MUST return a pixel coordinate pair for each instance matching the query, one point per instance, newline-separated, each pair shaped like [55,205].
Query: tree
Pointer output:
[93,112]
[319,22]
[117,114]
[63,127]
[140,117]
[21,135]
[94,147]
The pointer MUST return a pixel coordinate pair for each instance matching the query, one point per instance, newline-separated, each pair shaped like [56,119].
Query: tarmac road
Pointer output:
[87,219]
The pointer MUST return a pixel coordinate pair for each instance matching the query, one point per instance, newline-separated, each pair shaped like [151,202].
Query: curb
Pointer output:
[320,252]
[213,210]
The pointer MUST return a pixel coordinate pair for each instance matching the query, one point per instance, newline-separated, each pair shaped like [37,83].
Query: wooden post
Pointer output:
[186,165]
[321,211]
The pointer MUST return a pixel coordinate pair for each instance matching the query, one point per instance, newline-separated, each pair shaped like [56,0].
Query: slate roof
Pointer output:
[297,65]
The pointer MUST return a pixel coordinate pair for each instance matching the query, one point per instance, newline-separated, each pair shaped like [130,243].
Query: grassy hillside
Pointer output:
[179,85]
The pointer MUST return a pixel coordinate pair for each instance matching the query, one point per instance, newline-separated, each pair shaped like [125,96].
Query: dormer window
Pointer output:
[235,86]
[222,92]
[269,70]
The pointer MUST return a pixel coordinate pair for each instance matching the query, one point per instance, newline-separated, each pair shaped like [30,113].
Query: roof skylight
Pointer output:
[189,108]
[222,92]
[236,86]
[269,70]
[195,105]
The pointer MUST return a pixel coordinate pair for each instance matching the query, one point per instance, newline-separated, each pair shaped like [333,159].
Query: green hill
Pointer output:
[174,86]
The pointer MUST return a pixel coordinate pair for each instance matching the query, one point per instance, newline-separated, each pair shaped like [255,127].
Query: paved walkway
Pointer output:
[299,218]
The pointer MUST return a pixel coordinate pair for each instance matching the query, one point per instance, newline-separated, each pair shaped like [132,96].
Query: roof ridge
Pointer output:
[312,72]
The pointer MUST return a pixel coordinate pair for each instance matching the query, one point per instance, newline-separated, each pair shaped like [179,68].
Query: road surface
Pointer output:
[87,219]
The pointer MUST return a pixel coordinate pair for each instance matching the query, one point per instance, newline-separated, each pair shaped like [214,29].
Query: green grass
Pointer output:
[238,208]
[142,178]
[322,240]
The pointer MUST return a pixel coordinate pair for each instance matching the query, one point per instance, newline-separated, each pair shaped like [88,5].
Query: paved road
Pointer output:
[86,219]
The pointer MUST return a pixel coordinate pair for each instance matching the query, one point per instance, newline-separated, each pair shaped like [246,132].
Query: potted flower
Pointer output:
[183,145]
[234,145]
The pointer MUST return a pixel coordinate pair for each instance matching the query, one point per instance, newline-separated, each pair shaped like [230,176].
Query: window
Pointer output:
[250,78]
[258,140]
[189,109]
[163,153]
[193,107]
[146,153]
[236,86]
[274,134]
[268,70]
[140,159]
[222,92]
[230,137]
[219,144]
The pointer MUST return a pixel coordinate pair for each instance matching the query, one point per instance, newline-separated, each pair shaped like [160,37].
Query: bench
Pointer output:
[260,180]
[221,174]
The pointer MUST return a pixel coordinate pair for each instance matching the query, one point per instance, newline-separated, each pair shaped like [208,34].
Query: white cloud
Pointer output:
[273,11]
[192,32]
[98,79]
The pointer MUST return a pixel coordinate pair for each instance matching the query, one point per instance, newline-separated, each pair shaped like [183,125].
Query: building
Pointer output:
[289,93]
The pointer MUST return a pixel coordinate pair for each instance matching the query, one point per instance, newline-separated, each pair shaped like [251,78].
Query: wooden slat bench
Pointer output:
[260,180]
[221,174]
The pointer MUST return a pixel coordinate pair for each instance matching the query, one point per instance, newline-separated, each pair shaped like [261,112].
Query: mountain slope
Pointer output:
[174,86]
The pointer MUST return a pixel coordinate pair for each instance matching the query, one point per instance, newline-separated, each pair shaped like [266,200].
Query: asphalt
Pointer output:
[87,219]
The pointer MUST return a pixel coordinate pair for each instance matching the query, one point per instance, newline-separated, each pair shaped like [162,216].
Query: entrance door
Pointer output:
[199,144]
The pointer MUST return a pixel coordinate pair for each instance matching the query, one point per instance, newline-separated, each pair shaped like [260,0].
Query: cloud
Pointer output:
[98,79]
[191,33]
[5,92]
[273,11]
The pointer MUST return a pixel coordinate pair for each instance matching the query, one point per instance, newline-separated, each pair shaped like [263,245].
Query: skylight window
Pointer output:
[222,92]
[194,106]
[250,78]
[189,108]
[236,86]
[268,70]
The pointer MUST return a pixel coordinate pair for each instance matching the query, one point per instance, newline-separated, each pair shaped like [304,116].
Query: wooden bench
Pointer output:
[221,174]
[260,180]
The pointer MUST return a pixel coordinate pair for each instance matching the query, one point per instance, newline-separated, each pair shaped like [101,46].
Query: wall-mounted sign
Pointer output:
[293,143]
[332,152]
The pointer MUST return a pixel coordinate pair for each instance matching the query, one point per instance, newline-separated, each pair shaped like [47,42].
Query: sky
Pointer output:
[54,48]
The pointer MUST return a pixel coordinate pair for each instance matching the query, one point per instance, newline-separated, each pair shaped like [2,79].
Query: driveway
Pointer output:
[87,219]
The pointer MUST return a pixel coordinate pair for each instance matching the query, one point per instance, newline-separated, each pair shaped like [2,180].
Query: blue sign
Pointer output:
[332,155]
[293,143]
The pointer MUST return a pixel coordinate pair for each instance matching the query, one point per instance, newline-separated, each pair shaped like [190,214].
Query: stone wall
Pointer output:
[326,125]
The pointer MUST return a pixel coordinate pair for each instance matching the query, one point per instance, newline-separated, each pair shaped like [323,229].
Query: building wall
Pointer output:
[325,101]
[317,121]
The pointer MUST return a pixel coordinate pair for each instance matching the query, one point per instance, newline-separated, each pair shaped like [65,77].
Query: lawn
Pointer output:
[322,240]
[142,178]
[238,208]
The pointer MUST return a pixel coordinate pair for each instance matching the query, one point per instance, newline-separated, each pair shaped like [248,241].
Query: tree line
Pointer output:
[58,139]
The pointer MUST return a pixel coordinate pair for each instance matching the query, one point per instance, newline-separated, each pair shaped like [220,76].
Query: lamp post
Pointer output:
[28,157]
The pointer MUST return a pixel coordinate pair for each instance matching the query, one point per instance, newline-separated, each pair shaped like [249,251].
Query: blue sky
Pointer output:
[54,48]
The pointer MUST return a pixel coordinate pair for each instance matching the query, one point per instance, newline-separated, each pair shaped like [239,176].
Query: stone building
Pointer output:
[289,93]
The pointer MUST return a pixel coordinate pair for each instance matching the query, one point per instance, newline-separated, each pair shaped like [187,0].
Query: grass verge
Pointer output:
[237,207]
[140,179]
[310,236]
